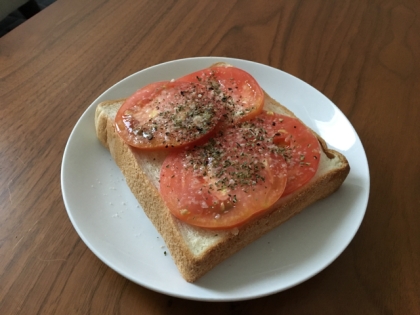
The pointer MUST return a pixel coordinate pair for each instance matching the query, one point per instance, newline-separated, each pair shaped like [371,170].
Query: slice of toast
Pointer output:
[196,250]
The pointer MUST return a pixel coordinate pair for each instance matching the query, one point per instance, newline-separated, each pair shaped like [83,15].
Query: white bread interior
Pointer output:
[196,250]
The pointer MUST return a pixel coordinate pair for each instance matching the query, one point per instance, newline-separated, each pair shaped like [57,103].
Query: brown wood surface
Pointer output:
[363,55]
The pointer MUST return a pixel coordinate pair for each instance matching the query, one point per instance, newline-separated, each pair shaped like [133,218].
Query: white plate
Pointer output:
[110,222]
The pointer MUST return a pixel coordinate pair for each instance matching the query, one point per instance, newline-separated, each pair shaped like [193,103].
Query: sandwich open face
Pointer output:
[215,162]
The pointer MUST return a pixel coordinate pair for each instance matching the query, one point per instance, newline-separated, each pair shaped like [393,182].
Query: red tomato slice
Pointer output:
[168,115]
[239,91]
[300,147]
[234,177]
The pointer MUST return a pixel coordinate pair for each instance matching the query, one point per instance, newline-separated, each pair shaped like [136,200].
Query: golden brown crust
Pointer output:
[192,265]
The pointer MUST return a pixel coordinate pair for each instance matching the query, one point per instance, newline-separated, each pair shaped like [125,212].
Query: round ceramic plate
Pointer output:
[112,224]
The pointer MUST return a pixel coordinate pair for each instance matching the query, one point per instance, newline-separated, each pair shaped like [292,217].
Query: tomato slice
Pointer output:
[234,177]
[239,91]
[168,115]
[300,147]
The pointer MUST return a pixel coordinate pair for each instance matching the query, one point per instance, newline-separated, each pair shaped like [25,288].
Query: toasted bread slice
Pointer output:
[196,250]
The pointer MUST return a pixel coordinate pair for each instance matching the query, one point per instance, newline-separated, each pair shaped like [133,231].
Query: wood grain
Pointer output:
[363,55]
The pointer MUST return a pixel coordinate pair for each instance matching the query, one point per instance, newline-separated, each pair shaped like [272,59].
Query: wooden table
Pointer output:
[363,55]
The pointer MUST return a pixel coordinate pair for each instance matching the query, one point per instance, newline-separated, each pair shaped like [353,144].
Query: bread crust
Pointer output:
[176,234]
